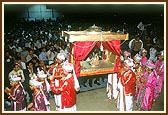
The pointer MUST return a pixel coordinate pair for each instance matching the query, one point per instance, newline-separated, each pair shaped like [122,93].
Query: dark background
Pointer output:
[116,13]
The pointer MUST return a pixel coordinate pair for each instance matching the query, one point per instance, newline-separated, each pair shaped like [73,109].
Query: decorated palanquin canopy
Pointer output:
[82,42]
[94,33]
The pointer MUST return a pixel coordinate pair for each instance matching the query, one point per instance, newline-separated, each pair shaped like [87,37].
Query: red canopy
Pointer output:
[82,49]
[84,41]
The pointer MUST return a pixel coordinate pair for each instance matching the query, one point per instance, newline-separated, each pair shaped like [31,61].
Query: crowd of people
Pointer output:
[140,79]
[36,65]
[59,78]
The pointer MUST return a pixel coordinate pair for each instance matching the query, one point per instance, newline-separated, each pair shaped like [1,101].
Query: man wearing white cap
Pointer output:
[16,94]
[68,88]
[45,86]
[57,71]
[38,103]
[128,79]
[112,91]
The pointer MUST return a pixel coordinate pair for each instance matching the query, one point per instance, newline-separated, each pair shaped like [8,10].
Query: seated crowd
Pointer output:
[33,49]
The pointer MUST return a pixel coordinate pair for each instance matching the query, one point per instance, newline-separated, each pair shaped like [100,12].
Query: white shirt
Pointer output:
[18,73]
[23,65]
[28,57]
[27,45]
[152,53]
[18,49]
[50,57]
[43,56]
[37,44]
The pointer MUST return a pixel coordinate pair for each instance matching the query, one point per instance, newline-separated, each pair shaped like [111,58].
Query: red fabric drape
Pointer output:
[114,47]
[81,50]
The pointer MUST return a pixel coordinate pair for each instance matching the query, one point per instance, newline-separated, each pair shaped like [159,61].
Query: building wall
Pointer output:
[38,12]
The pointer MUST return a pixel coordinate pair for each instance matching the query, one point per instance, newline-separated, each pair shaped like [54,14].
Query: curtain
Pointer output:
[114,47]
[81,50]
